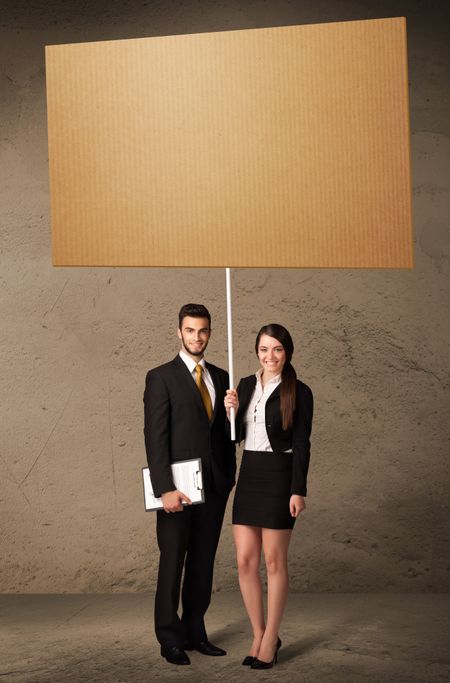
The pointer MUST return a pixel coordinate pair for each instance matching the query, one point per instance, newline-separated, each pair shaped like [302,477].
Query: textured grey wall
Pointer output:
[75,345]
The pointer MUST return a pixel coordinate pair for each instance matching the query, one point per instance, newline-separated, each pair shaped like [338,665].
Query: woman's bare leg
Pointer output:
[248,552]
[275,543]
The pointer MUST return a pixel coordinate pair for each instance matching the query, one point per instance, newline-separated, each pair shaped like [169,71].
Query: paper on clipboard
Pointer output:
[187,477]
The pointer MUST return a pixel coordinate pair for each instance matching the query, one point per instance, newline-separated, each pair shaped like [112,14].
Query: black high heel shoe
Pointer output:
[259,664]
[248,661]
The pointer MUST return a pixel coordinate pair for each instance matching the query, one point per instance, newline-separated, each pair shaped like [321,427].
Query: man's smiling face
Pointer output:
[194,335]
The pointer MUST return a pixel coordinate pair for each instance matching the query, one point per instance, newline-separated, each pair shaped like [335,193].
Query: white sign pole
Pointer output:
[230,349]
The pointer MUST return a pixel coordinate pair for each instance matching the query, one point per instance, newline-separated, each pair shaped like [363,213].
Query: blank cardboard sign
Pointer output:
[276,147]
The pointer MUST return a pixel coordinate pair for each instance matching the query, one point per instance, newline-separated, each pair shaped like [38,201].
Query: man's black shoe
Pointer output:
[205,648]
[174,655]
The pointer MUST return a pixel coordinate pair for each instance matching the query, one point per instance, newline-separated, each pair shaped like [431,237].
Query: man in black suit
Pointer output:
[185,418]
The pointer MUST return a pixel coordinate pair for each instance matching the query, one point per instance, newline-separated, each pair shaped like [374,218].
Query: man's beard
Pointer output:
[195,351]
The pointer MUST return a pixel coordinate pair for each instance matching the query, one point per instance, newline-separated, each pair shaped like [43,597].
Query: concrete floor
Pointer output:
[363,637]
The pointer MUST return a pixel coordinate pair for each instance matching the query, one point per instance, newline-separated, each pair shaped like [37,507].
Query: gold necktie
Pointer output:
[204,393]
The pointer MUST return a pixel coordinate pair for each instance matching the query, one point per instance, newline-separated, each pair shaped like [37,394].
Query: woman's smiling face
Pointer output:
[271,355]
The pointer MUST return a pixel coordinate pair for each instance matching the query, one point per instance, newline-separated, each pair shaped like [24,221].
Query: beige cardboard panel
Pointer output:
[281,147]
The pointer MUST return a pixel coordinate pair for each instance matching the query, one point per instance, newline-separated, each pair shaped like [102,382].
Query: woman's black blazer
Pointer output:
[297,437]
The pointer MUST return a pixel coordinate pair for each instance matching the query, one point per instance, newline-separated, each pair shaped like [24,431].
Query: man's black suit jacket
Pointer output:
[177,427]
[297,437]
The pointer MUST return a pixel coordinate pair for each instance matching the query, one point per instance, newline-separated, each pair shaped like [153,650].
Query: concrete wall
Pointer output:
[75,346]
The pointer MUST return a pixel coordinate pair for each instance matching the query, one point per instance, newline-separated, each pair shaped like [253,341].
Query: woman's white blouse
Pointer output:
[256,438]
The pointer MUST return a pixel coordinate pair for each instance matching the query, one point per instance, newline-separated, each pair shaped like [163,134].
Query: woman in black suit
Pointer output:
[273,416]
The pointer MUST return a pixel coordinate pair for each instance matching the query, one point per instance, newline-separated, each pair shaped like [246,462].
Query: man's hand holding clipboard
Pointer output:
[187,477]
[173,501]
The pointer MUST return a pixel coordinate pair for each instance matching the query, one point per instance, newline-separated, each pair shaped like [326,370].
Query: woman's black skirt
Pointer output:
[263,491]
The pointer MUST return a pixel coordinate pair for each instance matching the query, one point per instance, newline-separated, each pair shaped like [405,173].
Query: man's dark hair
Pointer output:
[193,311]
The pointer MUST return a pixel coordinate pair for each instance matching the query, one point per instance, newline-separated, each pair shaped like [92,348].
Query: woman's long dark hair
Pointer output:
[288,389]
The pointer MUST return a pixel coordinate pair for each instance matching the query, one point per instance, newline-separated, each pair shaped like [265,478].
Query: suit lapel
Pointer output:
[217,387]
[188,382]
[275,394]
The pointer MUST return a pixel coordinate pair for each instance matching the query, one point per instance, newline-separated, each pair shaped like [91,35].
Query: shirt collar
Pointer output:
[190,362]
[273,380]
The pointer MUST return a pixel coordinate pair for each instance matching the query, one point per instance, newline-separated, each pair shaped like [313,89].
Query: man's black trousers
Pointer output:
[188,538]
